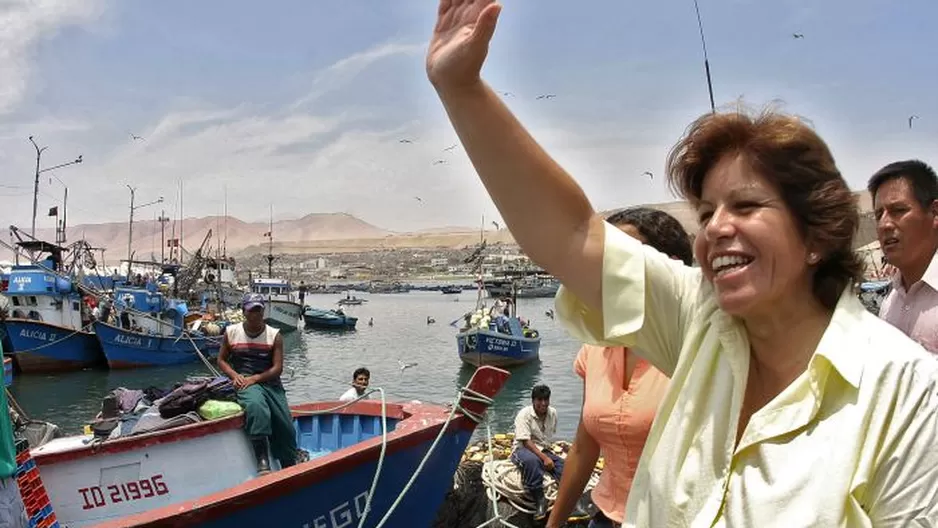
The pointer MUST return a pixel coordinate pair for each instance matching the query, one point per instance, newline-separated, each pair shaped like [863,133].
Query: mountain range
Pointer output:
[316,232]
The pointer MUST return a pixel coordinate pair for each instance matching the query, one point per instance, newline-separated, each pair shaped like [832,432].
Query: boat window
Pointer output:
[76,306]
[32,301]
[34,315]
[275,291]
[18,314]
[16,301]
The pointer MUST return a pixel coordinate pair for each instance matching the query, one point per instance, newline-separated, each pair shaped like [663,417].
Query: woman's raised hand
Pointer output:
[460,42]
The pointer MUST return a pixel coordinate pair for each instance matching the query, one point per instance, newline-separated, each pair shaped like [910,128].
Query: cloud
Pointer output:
[346,69]
[24,24]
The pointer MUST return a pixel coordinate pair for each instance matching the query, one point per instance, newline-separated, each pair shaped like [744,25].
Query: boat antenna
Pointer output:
[224,250]
[703,43]
[270,244]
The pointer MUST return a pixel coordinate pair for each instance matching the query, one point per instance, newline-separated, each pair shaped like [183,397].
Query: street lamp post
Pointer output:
[163,220]
[130,230]
[39,151]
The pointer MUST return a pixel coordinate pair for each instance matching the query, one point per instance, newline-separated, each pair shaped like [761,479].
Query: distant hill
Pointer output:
[330,232]
[235,237]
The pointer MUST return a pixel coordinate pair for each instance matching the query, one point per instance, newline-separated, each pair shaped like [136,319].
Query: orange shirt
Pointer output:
[617,417]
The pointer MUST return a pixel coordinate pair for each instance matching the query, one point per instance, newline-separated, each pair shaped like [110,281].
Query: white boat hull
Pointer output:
[284,315]
[112,483]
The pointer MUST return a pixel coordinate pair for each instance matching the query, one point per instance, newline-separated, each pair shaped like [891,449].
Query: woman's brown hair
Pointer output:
[790,155]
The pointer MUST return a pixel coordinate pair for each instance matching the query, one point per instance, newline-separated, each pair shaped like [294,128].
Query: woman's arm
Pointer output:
[577,470]
[546,211]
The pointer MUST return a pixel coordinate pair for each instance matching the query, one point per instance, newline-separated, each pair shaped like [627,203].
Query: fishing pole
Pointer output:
[703,43]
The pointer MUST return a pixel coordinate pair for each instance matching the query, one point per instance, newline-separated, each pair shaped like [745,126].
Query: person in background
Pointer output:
[251,354]
[621,393]
[535,427]
[905,203]
[12,509]
[302,290]
[789,403]
[360,380]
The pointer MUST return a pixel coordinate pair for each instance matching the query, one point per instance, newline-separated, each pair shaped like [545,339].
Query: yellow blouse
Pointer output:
[852,442]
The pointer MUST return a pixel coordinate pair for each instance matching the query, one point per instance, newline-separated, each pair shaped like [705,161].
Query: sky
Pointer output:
[302,105]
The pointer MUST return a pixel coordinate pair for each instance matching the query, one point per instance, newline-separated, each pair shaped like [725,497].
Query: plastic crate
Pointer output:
[35,499]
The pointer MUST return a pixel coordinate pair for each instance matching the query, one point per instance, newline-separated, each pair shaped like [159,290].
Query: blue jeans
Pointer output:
[532,469]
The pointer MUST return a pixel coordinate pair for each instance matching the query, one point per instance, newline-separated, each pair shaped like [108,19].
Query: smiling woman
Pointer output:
[789,404]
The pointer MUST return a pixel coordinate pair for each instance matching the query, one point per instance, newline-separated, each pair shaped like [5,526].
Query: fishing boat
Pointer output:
[351,300]
[283,309]
[487,345]
[528,285]
[151,330]
[450,290]
[48,324]
[328,319]
[205,475]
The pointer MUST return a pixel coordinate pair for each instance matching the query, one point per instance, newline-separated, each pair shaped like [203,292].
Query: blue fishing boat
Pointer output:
[150,330]
[48,324]
[328,319]
[357,474]
[500,347]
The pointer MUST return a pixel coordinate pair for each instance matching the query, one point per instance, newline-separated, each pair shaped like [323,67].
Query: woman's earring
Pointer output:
[812,258]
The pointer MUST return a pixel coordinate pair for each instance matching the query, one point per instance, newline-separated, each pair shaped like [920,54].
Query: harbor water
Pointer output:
[319,364]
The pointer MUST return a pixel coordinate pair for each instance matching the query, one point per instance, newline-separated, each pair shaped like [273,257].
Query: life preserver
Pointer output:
[471,341]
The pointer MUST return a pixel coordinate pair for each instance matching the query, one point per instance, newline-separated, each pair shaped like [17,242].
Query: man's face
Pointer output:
[905,229]
[361,382]
[254,316]
[541,405]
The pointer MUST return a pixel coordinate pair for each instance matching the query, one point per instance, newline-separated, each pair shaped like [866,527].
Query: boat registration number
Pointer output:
[346,514]
[499,344]
[98,496]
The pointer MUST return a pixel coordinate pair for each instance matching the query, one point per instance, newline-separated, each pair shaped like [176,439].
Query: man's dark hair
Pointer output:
[361,370]
[920,176]
[540,392]
[660,230]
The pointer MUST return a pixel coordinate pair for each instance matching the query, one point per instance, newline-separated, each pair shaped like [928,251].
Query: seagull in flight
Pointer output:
[405,366]
[451,147]
[912,118]
[405,141]
[507,94]
[418,199]
[649,174]
[439,161]
[546,96]
[136,137]
[497,227]
[797,35]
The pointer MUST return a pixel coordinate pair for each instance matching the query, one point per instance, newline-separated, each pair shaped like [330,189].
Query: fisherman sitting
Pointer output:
[535,426]
[251,355]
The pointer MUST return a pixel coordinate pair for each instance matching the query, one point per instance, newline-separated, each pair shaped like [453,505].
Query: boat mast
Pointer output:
[270,245]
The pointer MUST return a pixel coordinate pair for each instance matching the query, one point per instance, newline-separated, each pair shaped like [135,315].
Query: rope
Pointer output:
[490,490]
[464,393]
[384,442]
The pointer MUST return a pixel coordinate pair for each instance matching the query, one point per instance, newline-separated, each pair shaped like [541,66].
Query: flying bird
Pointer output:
[451,147]
[912,118]
[136,137]
[497,227]
[549,313]
[405,141]
[546,96]
[418,199]
[439,161]
[797,35]
[649,174]
[507,94]
[405,366]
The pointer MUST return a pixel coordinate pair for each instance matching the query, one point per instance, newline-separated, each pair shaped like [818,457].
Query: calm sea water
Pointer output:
[317,364]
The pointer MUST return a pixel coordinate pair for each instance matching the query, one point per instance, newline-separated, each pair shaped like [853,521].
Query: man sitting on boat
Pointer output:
[251,354]
[535,426]
[360,379]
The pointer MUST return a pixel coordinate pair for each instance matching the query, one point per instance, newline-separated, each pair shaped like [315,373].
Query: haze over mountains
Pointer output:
[316,232]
